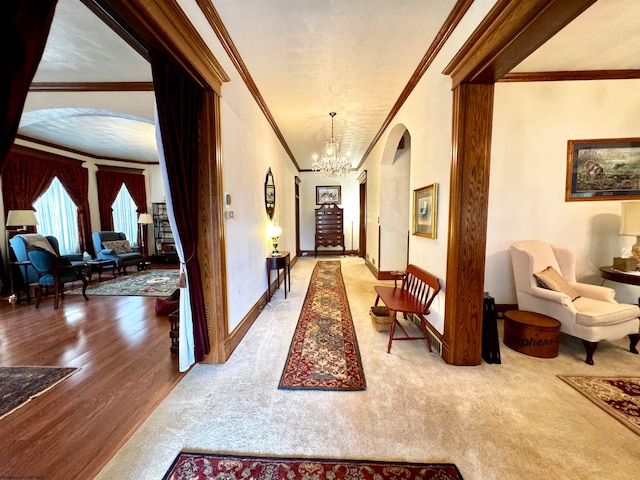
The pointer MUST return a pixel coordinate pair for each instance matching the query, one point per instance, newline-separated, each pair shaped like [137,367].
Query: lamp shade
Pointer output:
[21,218]
[630,219]
[145,218]
[276,231]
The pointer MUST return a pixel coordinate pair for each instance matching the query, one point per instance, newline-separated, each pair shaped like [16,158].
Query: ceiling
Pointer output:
[307,58]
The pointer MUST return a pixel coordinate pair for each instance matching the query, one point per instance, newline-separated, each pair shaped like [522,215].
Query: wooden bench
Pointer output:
[413,296]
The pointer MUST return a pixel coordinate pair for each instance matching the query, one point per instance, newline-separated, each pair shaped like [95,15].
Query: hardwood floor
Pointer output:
[126,369]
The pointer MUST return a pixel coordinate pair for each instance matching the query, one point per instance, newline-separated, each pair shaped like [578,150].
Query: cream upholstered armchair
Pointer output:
[592,315]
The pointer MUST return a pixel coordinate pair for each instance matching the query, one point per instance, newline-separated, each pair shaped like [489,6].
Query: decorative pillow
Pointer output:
[550,279]
[118,246]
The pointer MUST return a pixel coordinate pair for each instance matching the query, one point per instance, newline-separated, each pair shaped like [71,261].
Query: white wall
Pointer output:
[427,115]
[531,126]
[350,202]
[249,148]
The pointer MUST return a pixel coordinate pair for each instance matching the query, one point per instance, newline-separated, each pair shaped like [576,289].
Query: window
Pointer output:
[57,215]
[125,216]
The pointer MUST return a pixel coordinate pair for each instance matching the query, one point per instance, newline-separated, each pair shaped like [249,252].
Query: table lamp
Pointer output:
[21,218]
[630,225]
[274,232]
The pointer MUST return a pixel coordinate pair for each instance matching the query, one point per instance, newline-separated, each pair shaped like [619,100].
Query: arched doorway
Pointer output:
[395,201]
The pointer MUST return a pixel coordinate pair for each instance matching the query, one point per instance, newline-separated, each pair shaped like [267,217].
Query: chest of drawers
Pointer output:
[329,227]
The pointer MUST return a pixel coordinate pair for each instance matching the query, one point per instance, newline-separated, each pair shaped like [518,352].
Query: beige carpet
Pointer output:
[515,420]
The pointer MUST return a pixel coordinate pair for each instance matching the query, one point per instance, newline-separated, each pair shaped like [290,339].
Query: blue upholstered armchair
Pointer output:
[19,244]
[115,246]
[53,272]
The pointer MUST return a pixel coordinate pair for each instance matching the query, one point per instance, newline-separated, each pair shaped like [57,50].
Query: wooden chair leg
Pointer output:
[377,300]
[590,348]
[57,295]
[39,296]
[392,330]
[633,341]
[423,325]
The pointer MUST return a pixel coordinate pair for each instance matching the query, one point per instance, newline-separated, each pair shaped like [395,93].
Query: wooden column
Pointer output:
[468,205]
[211,237]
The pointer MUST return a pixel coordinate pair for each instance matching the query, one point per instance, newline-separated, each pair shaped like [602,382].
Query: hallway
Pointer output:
[514,420]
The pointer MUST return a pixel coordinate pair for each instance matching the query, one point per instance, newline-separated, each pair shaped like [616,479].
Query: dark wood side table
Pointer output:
[99,265]
[630,278]
[282,261]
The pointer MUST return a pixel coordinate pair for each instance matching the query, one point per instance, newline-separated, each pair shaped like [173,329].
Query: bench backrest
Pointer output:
[422,285]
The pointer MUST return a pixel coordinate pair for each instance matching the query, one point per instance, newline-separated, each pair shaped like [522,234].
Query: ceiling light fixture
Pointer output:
[332,163]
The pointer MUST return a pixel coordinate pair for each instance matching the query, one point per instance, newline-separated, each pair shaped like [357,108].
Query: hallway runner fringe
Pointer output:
[324,351]
[192,466]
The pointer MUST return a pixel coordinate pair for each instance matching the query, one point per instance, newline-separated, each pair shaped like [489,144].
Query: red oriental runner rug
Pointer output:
[324,351]
[210,466]
[618,396]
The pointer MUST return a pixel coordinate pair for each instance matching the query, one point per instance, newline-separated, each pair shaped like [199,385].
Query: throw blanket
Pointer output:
[37,240]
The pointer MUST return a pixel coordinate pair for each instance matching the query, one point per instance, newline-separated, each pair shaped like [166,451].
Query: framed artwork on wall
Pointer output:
[425,215]
[606,169]
[329,194]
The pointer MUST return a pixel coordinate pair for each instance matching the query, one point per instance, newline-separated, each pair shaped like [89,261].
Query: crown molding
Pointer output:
[74,151]
[91,87]
[570,75]
[212,16]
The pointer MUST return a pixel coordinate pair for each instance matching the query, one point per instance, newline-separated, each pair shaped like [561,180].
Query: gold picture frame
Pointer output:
[425,211]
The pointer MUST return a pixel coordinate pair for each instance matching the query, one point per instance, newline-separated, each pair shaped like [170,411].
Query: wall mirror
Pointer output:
[270,194]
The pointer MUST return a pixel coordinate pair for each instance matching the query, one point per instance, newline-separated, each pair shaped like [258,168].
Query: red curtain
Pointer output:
[109,184]
[25,27]
[25,178]
[179,100]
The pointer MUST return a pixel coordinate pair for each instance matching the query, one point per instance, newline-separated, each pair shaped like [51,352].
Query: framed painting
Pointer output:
[329,194]
[425,206]
[603,169]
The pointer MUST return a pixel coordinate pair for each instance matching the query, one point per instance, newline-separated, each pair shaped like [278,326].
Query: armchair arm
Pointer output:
[595,292]
[553,296]
[107,251]
[136,249]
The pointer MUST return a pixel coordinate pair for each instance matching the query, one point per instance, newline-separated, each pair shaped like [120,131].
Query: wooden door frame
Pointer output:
[509,33]
[362,235]
[163,27]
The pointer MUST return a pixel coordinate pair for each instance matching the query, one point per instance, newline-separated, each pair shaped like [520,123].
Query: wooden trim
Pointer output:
[510,33]
[211,230]
[79,152]
[372,268]
[468,211]
[571,76]
[221,32]
[164,27]
[91,87]
[362,178]
[114,169]
[43,155]
[450,24]
[504,307]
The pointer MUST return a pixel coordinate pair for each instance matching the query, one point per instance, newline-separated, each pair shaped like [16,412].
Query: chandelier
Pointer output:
[332,163]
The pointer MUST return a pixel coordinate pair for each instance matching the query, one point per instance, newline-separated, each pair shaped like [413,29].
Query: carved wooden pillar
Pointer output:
[468,205]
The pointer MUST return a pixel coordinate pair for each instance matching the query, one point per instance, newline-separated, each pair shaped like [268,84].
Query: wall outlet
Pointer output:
[228,214]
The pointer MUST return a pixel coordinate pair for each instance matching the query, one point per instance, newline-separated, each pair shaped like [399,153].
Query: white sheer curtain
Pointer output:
[57,215]
[186,350]
[125,215]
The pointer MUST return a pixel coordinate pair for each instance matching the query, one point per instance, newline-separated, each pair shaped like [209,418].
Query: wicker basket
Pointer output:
[381,318]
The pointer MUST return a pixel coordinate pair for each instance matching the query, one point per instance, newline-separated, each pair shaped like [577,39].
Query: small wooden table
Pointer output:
[531,333]
[610,273]
[281,261]
[99,265]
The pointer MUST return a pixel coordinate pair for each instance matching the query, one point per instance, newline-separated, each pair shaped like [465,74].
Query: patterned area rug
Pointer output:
[18,385]
[210,466]
[148,283]
[324,351]
[618,396]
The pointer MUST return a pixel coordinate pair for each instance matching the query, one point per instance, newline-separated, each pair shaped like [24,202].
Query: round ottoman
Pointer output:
[531,333]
